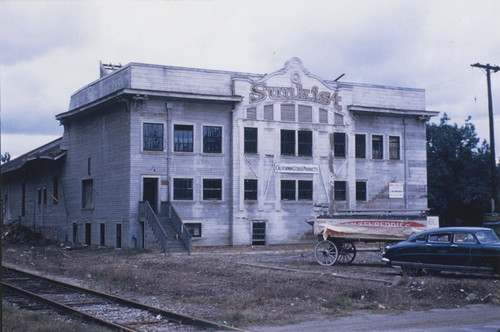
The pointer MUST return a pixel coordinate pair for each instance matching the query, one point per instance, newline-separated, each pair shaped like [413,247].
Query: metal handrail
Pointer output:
[179,226]
[147,212]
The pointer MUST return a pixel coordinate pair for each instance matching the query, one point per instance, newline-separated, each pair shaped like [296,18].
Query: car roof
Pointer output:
[451,229]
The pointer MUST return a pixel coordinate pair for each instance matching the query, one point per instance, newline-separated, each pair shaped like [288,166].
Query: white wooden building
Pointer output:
[234,158]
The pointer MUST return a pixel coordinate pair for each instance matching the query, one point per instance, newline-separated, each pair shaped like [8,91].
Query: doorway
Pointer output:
[150,192]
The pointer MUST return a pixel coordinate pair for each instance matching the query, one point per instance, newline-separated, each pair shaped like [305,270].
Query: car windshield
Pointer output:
[487,236]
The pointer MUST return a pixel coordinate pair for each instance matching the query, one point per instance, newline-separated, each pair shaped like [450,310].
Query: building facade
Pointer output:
[241,158]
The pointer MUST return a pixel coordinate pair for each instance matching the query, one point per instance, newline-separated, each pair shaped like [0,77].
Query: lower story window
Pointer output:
[289,190]
[361,191]
[183,189]
[305,190]
[194,229]
[340,190]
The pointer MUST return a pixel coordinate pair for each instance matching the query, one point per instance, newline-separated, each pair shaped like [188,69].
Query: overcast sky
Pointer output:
[50,49]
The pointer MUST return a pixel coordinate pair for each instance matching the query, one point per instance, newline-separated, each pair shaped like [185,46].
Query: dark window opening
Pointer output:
[250,190]
[212,139]
[361,191]
[287,142]
[394,148]
[118,235]
[305,190]
[183,189]
[23,199]
[87,194]
[212,189]
[287,190]
[305,143]
[183,138]
[75,233]
[339,145]
[102,235]
[152,137]
[340,190]
[250,140]
[360,146]
[88,233]
[44,196]
[259,233]
[39,196]
[377,147]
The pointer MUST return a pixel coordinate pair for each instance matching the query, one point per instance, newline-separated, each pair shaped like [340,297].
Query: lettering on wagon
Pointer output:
[260,92]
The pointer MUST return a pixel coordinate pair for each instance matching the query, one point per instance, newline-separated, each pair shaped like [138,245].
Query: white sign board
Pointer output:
[396,190]
[296,168]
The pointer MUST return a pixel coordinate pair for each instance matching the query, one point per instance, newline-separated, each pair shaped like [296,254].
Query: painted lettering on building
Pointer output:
[261,92]
[294,168]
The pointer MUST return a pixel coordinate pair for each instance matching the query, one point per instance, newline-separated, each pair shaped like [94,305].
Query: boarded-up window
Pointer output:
[251,113]
[268,112]
[323,116]
[305,113]
[287,112]
[339,119]
[88,194]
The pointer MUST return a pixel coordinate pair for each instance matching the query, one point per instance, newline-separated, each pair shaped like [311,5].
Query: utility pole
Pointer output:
[489,68]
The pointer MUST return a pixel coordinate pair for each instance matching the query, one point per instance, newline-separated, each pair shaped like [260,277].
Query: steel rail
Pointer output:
[180,318]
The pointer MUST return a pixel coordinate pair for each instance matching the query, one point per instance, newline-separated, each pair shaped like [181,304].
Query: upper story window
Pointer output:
[339,119]
[289,190]
[339,144]
[288,142]
[360,145]
[183,138]
[268,112]
[212,189]
[323,115]
[152,134]
[288,112]
[88,194]
[305,113]
[305,143]
[251,113]
[394,148]
[377,147]
[250,140]
[212,139]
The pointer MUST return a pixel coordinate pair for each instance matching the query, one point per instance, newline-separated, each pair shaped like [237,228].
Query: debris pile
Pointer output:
[17,234]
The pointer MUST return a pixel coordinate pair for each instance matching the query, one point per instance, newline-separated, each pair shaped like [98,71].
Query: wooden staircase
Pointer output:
[174,241]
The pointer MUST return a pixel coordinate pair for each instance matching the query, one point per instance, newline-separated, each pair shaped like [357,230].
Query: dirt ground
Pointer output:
[254,286]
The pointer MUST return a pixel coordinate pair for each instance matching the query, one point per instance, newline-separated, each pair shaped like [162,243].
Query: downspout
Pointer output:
[405,163]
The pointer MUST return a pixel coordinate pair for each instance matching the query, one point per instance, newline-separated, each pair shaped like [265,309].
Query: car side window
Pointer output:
[421,238]
[440,237]
[463,238]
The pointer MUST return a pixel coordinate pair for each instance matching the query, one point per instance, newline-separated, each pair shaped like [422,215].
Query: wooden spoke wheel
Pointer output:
[347,252]
[326,253]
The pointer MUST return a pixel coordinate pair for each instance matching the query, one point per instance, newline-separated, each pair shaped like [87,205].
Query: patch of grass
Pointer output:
[336,303]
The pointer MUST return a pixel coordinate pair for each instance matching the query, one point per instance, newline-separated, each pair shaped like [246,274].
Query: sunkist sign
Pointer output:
[261,91]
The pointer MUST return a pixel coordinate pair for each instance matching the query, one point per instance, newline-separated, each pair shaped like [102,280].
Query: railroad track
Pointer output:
[32,291]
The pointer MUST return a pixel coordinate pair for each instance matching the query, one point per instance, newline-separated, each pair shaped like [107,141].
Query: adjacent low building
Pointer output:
[151,153]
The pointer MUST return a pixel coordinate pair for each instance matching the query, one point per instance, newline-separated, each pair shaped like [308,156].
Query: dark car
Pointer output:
[470,249]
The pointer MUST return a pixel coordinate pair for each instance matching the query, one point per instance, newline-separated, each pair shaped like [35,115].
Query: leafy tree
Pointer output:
[5,158]
[458,172]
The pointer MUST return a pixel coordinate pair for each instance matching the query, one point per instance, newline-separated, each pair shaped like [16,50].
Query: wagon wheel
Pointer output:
[347,252]
[326,253]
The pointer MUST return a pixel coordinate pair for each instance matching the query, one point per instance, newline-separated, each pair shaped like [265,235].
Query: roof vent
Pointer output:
[106,69]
